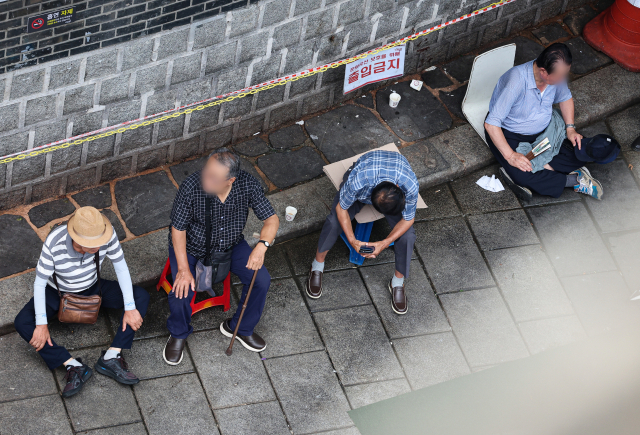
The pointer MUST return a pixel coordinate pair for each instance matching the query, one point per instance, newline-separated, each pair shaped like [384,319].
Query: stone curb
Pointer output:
[440,158]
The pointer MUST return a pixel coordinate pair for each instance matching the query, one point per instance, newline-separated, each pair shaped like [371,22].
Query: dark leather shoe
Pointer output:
[75,378]
[635,145]
[172,353]
[314,284]
[398,299]
[116,368]
[253,342]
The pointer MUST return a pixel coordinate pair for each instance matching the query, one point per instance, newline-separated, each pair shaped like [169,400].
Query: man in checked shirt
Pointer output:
[231,192]
[385,180]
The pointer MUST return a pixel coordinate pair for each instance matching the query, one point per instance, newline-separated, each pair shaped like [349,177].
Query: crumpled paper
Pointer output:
[491,184]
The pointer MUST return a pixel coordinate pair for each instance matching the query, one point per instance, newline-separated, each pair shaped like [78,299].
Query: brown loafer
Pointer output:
[314,284]
[398,299]
[172,353]
[253,342]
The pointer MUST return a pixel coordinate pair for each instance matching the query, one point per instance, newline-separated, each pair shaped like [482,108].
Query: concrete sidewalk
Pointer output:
[493,279]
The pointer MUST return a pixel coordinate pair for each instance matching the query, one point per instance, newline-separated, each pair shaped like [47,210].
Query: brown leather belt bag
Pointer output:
[77,308]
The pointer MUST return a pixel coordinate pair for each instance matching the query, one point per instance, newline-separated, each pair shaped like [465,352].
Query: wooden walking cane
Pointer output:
[235,332]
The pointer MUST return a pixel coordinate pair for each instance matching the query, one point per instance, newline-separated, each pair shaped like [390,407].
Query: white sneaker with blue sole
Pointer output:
[587,184]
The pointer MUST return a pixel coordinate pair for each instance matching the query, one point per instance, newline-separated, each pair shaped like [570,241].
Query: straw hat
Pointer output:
[89,228]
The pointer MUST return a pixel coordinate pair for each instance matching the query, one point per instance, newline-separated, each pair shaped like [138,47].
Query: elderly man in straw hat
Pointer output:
[68,263]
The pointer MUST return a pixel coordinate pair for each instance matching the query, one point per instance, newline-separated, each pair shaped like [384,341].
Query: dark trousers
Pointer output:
[545,182]
[179,321]
[25,322]
[403,246]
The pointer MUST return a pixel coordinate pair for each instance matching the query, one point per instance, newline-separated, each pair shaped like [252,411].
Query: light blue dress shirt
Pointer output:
[518,105]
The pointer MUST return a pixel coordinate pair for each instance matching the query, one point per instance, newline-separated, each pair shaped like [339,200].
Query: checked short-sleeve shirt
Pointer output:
[372,169]
[228,218]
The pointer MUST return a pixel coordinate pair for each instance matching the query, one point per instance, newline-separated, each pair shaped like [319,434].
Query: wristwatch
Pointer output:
[267,244]
[570,126]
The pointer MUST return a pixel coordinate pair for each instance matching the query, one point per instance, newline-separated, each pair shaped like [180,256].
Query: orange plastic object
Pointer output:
[224,299]
[616,32]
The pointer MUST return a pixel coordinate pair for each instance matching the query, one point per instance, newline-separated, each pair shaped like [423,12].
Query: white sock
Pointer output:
[317,266]
[397,282]
[110,354]
[73,363]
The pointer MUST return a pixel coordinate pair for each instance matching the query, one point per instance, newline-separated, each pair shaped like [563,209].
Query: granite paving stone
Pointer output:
[302,251]
[35,416]
[15,292]
[358,345]
[301,165]
[474,199]
[453,100]
[258,419]
[290,333]
[504,229]
[21,246]
[287,137]
[625,126]
[578,18]
[102,402]
[545,334]
[182,170]
[76,336]
[570,239]
[526,49]
[366,100]
[145,202]
[424,315]
[450,255]
[253,147]
[23,374]
[483,327]
[346,131]
[115,222]
[366,394]
[248,167]
[418,115]
[602,303]
[41,214]
[435,78]
[430,359]
[98,197]
[440,203]
[463,149]
[430,163]
[127,429]
[345,431]
[158,399]
[460,68]
[585,58]
[339,289]
[625,248]
[568,194]
[145,359]
[528,283]
[595,129]
[620,205]
[550,33]
[229,381]
[309,392]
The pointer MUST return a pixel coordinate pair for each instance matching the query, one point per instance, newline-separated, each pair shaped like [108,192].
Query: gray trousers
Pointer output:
[403,246]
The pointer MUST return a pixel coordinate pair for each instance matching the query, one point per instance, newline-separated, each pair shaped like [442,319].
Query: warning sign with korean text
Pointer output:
[374,68]
[50,19]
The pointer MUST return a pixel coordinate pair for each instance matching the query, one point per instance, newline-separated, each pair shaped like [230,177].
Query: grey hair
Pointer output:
[229,159]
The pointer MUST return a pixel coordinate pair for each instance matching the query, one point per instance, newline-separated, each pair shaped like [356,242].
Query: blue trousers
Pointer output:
[179,321]
[545,182]
[25,321]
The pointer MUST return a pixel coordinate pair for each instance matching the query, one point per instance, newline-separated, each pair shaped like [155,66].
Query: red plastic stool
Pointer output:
[224,299]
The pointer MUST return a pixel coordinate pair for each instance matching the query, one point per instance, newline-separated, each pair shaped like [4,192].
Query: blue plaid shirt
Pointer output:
[372,169]
[518,105]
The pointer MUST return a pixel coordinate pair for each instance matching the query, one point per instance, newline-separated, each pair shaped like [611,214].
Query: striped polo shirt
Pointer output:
[75,271]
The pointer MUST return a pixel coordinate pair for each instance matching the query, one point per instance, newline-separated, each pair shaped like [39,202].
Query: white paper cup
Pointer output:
[394,99]
[290,213]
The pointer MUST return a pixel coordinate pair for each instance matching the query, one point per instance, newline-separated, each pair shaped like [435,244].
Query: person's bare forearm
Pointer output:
[270,228]
[497,136]
[567,109]
[398,230]
[179,239]
[345,223]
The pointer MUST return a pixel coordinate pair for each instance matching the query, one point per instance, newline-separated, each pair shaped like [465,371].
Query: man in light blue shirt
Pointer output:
[520,110]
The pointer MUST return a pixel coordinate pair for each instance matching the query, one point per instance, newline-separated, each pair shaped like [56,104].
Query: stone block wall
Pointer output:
[201,58]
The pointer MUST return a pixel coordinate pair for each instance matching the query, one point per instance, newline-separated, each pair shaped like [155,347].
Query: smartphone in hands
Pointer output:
[366,249]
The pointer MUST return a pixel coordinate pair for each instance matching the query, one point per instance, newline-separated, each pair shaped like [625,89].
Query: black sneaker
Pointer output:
[117,369]
[521,192]
[76,378]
